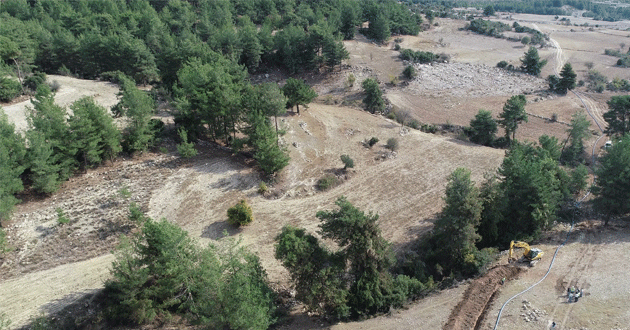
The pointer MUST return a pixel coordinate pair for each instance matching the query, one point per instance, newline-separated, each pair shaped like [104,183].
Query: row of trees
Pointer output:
[353,281]
[57,144]
[151,41]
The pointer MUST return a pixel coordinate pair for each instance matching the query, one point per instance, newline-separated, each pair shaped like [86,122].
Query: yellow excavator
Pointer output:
[531,255]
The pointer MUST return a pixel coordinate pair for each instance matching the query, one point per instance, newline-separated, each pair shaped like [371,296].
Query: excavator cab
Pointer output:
[531,255]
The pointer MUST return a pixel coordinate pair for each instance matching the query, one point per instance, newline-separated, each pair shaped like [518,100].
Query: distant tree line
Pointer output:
[595,9]
[496,29]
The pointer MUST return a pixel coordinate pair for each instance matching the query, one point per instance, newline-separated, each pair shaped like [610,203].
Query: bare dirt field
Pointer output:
[594,259]
[54,265]
[72,89]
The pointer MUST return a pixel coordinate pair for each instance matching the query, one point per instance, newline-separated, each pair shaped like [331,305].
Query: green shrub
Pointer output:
[502,64]
[392,144]
[62,218]
[409,72]
[351,80]
[326,182]
[33,81]
[414,124]
[347,162]
[124,192]
[397,47]
[135,213]
[186,149]
[5,322]
[9,89]
[391,115]
[417,56]
[4,248]
[240,214]
[54,86]
[373,141]
[262,188]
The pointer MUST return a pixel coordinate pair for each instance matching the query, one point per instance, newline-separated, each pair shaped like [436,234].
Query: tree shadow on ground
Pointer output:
[220,229]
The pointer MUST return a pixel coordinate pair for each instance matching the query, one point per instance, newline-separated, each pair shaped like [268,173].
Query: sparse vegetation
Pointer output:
[62,218]
[326,182]
[240,214]
[417,56]
[392,144]
[372,141]
[4,248]
[409,72]
[347,162]
[186,149]
[262,188]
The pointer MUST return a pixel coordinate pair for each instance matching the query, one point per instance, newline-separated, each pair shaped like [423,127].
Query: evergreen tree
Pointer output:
[56,145]
[567,79]
[138,107]
[298,92]
[367,253]
[263,139]
[513,114]
[210,94]
[12,152]
[93,132]
[45,171]
[316,272]
[578,132]
[333,51]
[532,63]
[379,28]
[162,271]
[618,115]
[483,128]
[373,96]
[612,186]
[454,235]
[252,49]
[349,21]
[533,187]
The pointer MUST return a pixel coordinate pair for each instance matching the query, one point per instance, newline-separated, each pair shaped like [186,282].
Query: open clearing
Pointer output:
[54,265]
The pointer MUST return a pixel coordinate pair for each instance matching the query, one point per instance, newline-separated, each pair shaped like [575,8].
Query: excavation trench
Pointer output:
[469,312]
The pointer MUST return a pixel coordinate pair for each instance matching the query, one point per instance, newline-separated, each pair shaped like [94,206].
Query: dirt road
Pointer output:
[50,290]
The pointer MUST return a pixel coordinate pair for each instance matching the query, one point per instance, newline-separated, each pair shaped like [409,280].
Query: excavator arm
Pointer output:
[528,253]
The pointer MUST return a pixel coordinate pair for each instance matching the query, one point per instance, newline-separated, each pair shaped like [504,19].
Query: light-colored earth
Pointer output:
[72,89]
[404,188]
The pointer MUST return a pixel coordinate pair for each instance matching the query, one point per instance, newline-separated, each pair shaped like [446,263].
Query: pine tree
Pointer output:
[483,128]
[513,114]
[567,79]
[137,106]
[532,63]
[12,152]
[379,28]
[373,96]
[93,131]
[298,92]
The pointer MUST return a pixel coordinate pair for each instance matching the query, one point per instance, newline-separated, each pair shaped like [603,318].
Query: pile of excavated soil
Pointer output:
[478,296]
[471,80]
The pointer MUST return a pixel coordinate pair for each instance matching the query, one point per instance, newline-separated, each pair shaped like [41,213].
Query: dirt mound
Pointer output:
[477,298]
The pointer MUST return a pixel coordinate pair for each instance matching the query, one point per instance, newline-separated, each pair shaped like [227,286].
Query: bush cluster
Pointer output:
[240,214]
